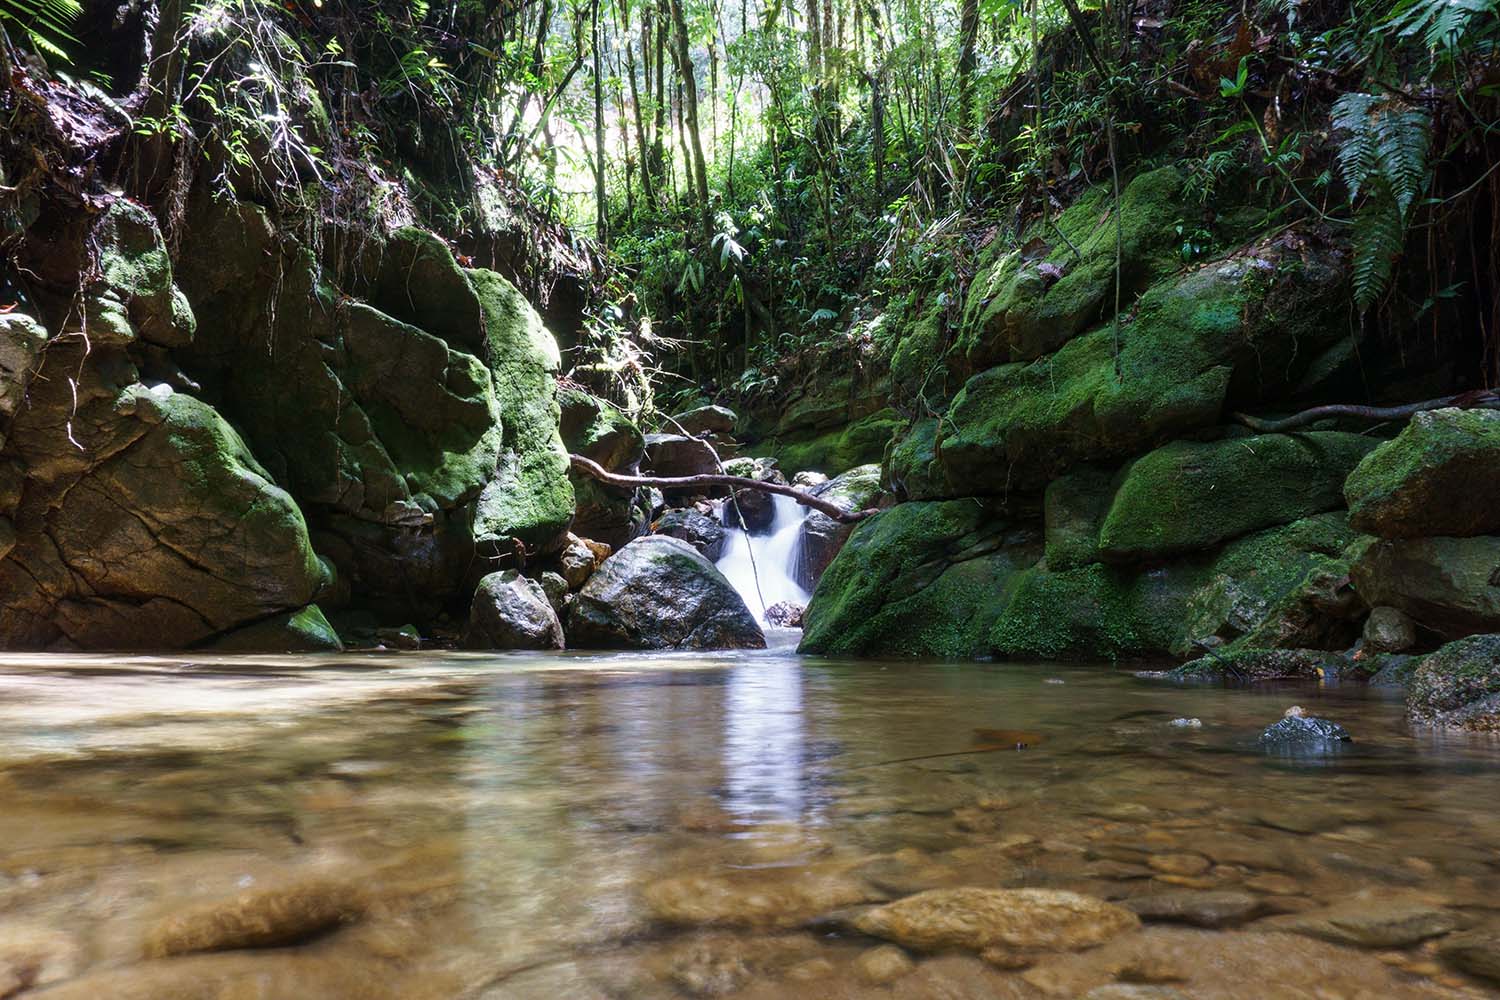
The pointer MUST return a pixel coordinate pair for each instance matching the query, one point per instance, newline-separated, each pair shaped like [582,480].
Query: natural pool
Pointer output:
[658,826]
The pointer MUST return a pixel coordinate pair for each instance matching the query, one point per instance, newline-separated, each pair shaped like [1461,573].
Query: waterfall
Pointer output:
[775,552]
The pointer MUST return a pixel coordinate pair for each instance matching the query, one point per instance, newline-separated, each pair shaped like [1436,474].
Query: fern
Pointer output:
[44,22]
[1441,24]
[1379,236]
[1382,137]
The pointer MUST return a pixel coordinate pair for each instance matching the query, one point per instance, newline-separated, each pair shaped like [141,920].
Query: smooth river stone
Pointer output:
[1201,909]
[1394,921]
[260,918]
[1004,925]
[765,897]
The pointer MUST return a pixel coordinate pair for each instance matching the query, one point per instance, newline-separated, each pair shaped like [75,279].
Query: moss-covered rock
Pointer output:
[302,631]
[419,282]
[1232,331]
[1438,477]
[858,443]
[598,430]
[1450,586]
[820,537]
[530,497]
[1458,686]
[21,342]
[1094,612]
[1190,496]
[134,294]
[162,532]
[923,578]
[1028,304]
[910,466]
[1073,510]
[1252,664]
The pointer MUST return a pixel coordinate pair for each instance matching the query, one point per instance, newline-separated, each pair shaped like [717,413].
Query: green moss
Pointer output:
[918,354]
[596,429]
[1196,341]
[1190,496]
[832,452]
[918,579]
[911,462]
[1073,509]
[531,497]
[301,631]
[135,293]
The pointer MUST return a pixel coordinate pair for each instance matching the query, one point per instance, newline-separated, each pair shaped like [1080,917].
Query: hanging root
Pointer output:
[1479,399]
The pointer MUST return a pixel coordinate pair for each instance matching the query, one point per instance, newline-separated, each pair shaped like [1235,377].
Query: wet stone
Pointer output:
[1371,921]
[770,897]
[1303,730]
[1475,952]
[1179,864]
[883,965]
[261,918]
[1199,908]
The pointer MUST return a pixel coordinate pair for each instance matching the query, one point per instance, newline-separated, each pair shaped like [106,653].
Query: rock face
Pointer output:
[166,531]
[820,537]
[661,593]
[510,611]
[1447,585]
[1001,923]
[1458,686]
[21,342]
[1435,478]
[698,530]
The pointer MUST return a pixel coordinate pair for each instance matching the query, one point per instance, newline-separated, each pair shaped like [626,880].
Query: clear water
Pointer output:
[760,565]
[508,823]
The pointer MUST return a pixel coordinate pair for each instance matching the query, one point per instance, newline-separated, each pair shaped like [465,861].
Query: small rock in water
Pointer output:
[1295,712]
[1186,723]
[1054,680]
[883,965]
[1303,730]
[257,919]
[785,614]
[1198,908]
[1376,921]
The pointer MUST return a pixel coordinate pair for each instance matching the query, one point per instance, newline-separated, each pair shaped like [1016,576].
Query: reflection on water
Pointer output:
[624,826]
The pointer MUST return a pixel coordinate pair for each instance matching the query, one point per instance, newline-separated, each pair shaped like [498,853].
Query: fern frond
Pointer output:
[1382,137]
[1379,236]
[1439,23]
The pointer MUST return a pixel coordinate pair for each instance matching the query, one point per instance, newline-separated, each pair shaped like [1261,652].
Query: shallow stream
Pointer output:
[648,826]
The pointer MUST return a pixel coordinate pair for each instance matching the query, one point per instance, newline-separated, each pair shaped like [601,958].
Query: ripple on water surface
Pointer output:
[749,825]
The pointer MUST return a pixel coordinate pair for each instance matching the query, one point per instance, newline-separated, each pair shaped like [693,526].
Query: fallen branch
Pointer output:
[833,510]
[1487,399]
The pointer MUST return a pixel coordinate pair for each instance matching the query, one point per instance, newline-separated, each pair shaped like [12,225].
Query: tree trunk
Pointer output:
[690,112]
[601,201]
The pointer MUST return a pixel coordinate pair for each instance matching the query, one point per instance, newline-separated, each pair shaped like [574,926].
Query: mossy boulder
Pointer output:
[598,430]
[1030,303]
[418,281]
[1190,496]
[1458,686]
[530,498]
[1450,586]
[305,630]
[1439,476]
[1253,664]
[820,537]
[858,443]
[660,593]
[1231,332]
[920,579]
[21,341]
[910,465]
[134,294]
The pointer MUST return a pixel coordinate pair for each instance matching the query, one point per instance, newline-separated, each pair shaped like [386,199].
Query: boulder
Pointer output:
[709,419]
[699,530]
[820,537]
[922,578]
[1254,664]
[661,593]
[751,511]
[510,611]
[1189,496]
[301,631]
[1450,586]
[1437,477]
[134,294]
[785,614]
[1458,686]
[577,562]
[673,455]
[1389,630]
[1298,730]
[998,923]
[598,430]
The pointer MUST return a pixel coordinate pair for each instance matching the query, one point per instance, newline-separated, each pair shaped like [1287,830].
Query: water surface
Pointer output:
[513,826]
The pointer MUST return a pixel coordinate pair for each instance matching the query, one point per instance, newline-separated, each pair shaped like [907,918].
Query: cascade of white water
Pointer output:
[774,552]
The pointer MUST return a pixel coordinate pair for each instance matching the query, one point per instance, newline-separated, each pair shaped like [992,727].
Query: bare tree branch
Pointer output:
[1485,399]
[833,510]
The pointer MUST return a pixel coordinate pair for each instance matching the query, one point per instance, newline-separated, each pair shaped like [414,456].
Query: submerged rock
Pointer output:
[261,918]
[762,897]
[1437,477]
[1476,952]
[1374,920]
[999,923]
[1199,908]
[661,593]
[1458,686]
[510,611]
